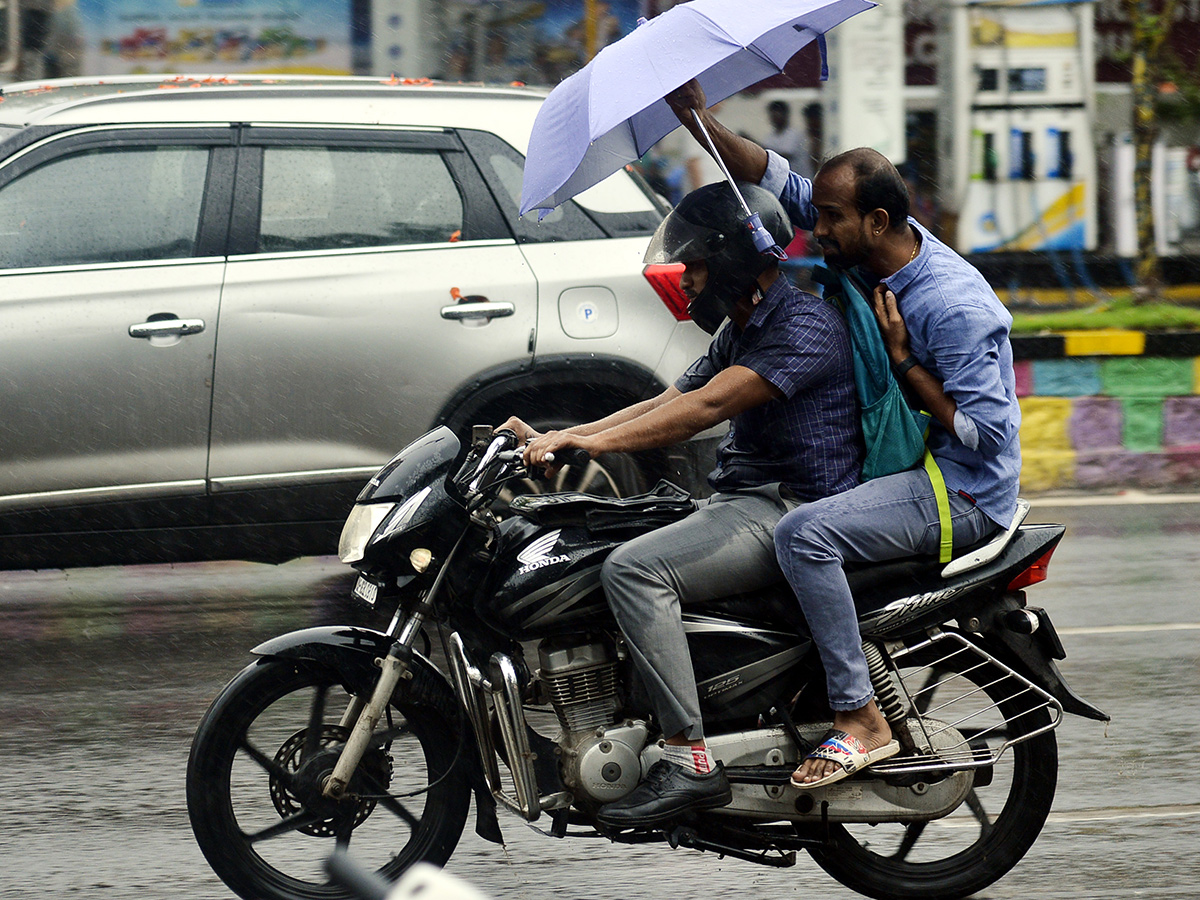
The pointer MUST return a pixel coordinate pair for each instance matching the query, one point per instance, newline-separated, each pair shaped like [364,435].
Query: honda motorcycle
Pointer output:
[503,676]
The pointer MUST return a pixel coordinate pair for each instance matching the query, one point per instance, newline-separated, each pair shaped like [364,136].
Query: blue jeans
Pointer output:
[887,518]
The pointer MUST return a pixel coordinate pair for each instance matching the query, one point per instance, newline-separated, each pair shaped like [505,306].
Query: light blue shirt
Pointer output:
[958,330]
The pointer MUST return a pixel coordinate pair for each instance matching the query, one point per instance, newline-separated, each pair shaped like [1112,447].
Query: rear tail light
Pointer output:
[664,278]
[1034,574]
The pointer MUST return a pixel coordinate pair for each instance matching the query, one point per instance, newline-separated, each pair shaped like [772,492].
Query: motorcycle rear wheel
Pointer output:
[988,834]
[257,761]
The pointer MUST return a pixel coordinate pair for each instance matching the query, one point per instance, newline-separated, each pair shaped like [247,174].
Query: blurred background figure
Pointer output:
[813,127]
[792,143]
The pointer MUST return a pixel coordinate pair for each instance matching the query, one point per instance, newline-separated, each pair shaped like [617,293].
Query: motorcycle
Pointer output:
[503,676]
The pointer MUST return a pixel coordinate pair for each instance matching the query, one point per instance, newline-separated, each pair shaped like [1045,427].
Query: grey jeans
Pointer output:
[725,547]
[886,518]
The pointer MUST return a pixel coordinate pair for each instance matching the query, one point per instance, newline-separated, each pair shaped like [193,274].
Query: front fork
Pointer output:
[394,668]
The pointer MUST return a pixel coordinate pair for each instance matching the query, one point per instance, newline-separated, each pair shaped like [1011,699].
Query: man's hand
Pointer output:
[928,388]
[895,334]
[524,432]
[745,160]
[685,98]
[555,442]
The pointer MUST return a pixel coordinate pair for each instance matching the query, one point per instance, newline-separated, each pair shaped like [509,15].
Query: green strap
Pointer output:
[943,505]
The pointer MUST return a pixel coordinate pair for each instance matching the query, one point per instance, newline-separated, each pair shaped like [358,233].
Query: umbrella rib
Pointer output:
[763,56]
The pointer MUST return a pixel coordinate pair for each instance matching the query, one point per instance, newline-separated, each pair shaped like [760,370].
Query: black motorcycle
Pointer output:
[348,738]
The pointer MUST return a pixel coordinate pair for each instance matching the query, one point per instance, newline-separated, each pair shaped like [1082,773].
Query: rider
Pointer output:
[781,372]
[947,334]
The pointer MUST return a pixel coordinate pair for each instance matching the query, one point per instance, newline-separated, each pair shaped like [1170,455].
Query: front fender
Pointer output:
[351,651]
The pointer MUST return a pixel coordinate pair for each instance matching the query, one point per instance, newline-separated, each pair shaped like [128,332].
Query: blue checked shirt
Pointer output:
[809,439]
[958,330]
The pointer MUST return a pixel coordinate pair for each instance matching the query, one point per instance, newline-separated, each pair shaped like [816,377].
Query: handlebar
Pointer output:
[571,456]
[499,458]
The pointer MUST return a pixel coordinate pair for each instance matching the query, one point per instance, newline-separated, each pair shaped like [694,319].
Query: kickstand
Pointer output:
[680,834]
[558,823]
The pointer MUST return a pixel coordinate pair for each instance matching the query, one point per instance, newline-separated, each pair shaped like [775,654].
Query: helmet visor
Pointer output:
[679,241]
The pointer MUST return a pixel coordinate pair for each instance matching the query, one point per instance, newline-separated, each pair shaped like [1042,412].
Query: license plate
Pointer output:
[366,591]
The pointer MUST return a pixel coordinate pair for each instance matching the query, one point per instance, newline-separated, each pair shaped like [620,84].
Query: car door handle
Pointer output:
[166,328]
[484,310]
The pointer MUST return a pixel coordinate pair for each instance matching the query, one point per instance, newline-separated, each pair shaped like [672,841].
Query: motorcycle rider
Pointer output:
[947,335]
[781,372]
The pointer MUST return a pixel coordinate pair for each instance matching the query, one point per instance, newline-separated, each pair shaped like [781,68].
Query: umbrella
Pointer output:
[612,111]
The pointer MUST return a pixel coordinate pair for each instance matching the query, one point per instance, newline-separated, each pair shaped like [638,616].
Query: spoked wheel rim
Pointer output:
[256,776]
[609,475]
[989,832]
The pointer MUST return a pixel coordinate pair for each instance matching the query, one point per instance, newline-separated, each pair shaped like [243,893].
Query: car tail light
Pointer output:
[664,278]
[1034,574]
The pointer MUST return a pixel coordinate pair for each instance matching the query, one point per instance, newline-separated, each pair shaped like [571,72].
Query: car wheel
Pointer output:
[608,475]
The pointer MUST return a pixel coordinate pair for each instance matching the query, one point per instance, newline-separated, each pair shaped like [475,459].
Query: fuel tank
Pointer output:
[549,581]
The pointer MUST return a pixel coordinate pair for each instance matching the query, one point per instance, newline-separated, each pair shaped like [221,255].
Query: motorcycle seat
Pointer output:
[926,572]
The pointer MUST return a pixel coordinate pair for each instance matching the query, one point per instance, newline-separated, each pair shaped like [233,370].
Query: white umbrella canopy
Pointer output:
[612,111]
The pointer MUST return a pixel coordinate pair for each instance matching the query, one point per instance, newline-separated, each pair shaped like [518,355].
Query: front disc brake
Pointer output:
[303,792]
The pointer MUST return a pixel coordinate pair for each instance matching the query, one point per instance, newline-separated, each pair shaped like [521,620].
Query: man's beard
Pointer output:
[833,254]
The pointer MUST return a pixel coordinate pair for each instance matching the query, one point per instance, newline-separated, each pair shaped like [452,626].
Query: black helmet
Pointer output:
[711,224]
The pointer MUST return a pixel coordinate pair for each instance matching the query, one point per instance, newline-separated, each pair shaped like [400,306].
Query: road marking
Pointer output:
[1130,629]
[1123,498]
[960,819]
[1125,812]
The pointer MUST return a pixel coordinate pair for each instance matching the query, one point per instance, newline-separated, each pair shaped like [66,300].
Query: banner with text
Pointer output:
[216,36]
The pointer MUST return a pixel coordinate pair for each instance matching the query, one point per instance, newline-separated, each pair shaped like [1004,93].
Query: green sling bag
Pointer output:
[893,432]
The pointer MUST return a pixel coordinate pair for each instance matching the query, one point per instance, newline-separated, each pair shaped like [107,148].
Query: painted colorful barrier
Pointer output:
[1109,410]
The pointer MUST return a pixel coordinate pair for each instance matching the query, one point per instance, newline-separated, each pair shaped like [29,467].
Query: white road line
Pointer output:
[1108,814]
[1130,629]
[1121,499]
[1128,812]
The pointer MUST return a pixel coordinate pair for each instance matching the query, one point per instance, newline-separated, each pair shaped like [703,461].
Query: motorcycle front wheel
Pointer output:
[1001,816]
[262,753]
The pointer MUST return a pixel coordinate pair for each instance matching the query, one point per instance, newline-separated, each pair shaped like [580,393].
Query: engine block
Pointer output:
[581,682]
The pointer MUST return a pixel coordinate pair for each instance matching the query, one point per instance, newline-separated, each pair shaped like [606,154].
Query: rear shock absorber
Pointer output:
[887,698]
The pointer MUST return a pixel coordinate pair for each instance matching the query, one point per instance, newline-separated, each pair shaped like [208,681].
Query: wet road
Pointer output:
[107,671]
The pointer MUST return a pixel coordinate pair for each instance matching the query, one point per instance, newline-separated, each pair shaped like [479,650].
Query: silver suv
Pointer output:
[224,303]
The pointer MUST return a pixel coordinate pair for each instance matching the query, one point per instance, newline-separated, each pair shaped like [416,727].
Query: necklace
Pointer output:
[916,247]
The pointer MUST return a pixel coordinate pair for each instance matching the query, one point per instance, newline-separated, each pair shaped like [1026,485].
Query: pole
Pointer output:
[720,162]
[589,29]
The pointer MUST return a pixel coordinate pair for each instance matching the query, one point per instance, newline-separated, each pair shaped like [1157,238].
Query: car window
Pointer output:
[503,168]
[100,206]
[320,198]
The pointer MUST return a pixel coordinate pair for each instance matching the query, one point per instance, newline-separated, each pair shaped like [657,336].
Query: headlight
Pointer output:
[360,525]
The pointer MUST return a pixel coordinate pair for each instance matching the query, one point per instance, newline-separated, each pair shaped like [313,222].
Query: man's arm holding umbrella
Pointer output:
[745,160]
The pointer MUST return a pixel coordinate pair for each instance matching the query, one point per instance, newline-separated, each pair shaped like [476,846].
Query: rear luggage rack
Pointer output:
[953,730]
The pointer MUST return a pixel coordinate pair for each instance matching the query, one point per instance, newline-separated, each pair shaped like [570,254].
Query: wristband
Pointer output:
[901,368]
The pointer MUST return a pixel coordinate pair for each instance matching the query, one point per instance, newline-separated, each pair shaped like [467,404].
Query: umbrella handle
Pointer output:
[763,242]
